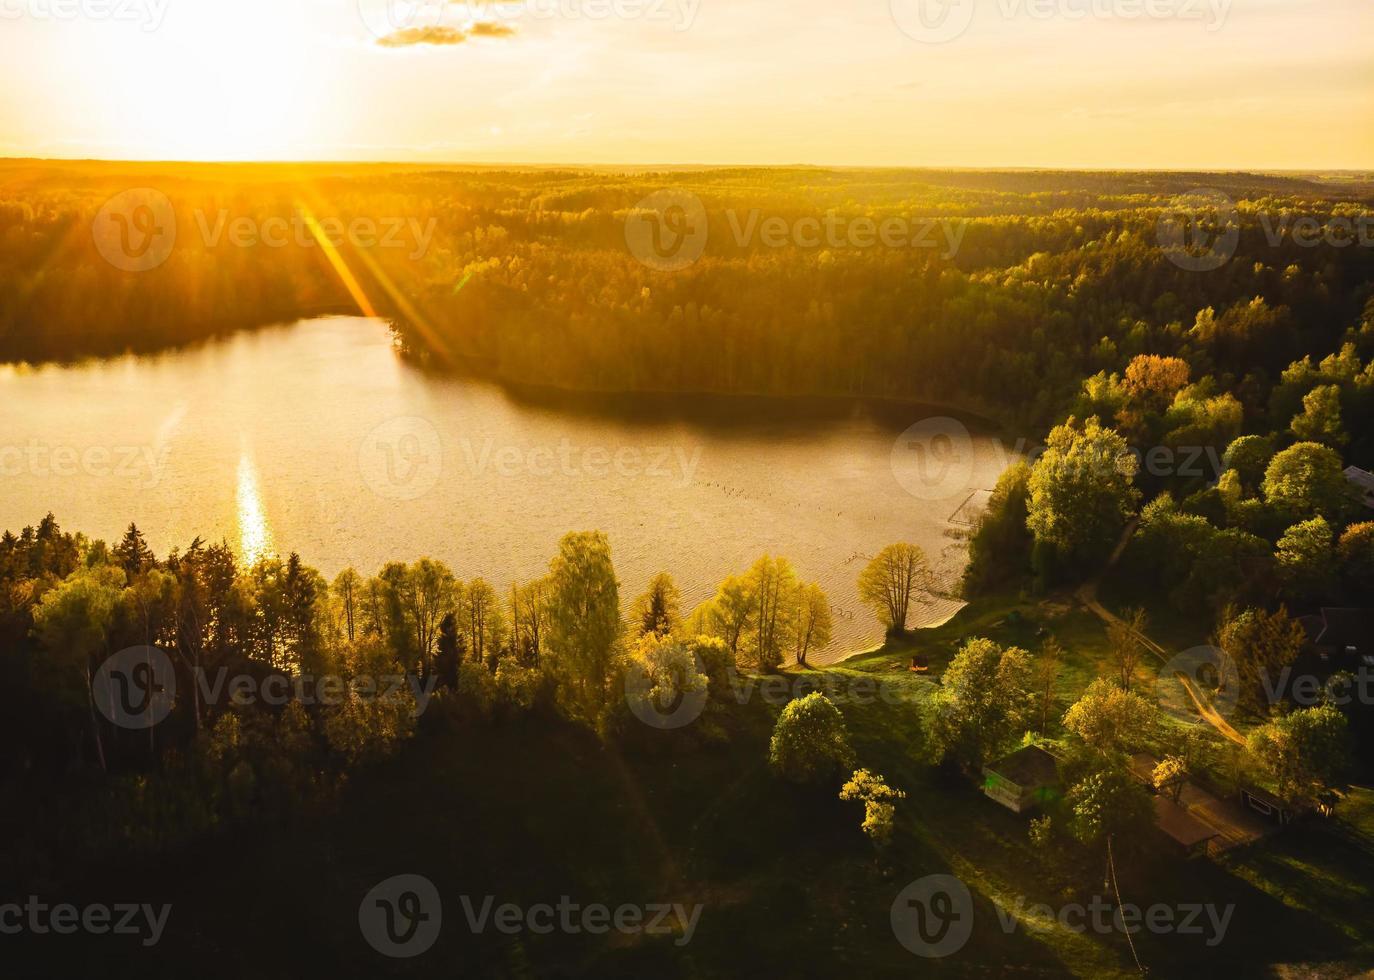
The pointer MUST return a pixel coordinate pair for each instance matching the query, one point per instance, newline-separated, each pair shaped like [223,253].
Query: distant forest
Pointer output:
[528,278]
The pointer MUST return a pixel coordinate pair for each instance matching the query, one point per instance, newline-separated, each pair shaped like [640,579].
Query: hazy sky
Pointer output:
[1090,83]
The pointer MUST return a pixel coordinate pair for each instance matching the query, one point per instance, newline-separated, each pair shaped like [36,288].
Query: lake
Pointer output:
[317,438]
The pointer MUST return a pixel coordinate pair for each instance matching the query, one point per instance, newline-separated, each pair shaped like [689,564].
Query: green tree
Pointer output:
[1356,552]
[774,586]
[1110,803]
[810,742]
[72,621]
[1109,720]
[1261,644]
[1249,457]
[1320,420]
[879,801]
[1307,478]
[890,581]
[983,703]
[814,622]
[1307,752]
[584,622]
[659,610]
[1081,491]
[1307,561]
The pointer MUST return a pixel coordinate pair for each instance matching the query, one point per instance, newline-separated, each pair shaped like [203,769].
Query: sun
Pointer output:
[220,81]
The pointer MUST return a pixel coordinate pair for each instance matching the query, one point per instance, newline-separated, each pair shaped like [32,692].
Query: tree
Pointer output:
[1124,638]
[1110,720]
[810,741]
[450,651]
[773,585]
[1356,552]
[133,554]
[584,622]
[346,588]
[983,702]
[1110,803]
[1261,644]
[410,602]
[1307,752]
[1307,561]
[878,799]
[1320,420]
[1249,458]
[889,581]
[1081,490]
[813,619]
[483,628]
[1307,478]
[529,620]
[731,612]
[1152,381]
[1170,776]
[658,611]
[73,620]
[1000,546]
[668,672]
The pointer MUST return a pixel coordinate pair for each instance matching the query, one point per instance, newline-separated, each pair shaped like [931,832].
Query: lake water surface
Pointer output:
[317,438]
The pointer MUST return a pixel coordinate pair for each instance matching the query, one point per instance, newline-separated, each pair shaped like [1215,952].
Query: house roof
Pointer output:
[1181,825]
[1361,478]
[1347,628]
[1031,766]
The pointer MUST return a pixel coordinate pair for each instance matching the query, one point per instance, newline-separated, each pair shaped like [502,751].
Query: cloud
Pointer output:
[490,29]
[411,36]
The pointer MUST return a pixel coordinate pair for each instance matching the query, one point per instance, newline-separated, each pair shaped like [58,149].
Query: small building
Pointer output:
[1345,633]
[1023,780]
[1363,481]
[1269,806]
[1190,834]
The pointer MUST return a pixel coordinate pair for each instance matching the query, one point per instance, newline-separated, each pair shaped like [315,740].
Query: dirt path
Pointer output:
[1087,595]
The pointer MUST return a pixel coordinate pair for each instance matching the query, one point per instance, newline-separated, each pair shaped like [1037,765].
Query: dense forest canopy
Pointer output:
[1006,290]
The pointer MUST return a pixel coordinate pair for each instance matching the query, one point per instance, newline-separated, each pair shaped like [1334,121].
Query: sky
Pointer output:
[1177,84]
